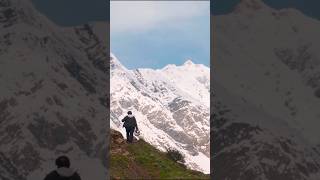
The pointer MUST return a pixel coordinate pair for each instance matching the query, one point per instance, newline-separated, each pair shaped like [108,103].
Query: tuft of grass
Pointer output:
[175,155]
[119,162]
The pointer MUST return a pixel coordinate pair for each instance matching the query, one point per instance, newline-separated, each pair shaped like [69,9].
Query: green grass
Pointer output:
[150,163]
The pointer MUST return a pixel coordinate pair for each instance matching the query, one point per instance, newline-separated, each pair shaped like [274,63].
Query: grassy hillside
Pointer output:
[140,160]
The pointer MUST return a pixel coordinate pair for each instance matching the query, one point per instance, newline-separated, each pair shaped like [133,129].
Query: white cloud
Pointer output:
[132,16]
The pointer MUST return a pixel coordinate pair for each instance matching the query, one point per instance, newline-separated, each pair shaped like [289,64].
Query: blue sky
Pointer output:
[152,34]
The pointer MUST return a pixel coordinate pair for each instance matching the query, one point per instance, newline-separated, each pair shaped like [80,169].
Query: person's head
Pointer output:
[129,113]
[63,161]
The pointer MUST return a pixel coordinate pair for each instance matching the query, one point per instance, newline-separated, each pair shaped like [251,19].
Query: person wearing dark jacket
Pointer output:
[130,124]
[63,171]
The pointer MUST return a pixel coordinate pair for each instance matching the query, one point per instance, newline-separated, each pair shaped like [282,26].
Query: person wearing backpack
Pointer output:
[130,124]
[63,171]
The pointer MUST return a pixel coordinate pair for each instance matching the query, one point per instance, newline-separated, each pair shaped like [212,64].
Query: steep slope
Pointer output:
[167,114]
[264,123]
[250,144]
[53,98]
[282,48]
[142,161]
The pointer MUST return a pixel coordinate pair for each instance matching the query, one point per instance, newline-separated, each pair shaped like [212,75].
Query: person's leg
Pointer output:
[128,134]
[131,134]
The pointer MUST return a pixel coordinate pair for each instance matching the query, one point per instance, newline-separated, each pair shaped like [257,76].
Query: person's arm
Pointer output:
[124,119]
[135,123]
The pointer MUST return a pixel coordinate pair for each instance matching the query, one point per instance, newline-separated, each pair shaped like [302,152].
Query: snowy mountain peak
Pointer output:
[188,63]
[20,11]
[113,57]
[115,63]
[169,66]
[251,5]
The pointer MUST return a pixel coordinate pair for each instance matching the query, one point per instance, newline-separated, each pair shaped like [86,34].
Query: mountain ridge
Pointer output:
[172,115]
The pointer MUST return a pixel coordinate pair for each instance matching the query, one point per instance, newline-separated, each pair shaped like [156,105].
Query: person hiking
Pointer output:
[130,124]
[63,171]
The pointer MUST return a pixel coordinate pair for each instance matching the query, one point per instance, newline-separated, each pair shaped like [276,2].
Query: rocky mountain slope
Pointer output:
[265,101]
[171,106]
[53,94]
[141,160]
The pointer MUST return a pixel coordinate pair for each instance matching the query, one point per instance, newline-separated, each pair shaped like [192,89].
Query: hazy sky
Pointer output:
[156,33]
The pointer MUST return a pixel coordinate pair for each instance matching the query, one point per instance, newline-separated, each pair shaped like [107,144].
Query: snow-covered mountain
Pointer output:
[53,94]
[171,106]
[266,94]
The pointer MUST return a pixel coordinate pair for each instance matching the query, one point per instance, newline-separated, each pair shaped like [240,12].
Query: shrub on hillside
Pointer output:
[175,155]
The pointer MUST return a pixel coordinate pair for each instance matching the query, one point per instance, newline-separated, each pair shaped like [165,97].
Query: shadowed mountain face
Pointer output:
[265,103]
[53,94]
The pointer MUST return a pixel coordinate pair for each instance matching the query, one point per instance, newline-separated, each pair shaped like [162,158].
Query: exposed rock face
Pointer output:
[53,94]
